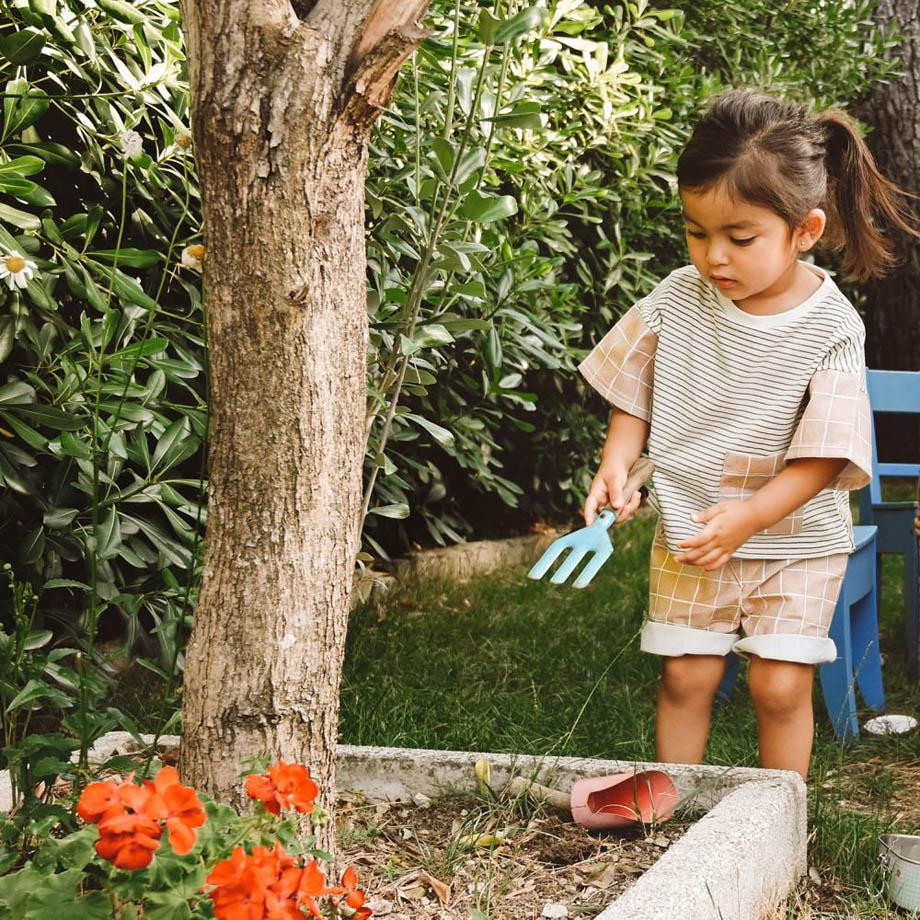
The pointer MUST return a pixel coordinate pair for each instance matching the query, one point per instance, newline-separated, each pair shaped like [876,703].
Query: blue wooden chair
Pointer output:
[854,630]
[895,391]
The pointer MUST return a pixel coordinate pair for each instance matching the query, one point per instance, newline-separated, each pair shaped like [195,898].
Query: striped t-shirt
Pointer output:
[732,396]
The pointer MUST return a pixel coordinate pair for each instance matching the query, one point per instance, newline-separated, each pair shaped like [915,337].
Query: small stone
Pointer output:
[662,842]
[421,800]
[552,909]
[814,875]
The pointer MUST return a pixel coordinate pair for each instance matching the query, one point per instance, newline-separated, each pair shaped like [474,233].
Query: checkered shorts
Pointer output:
[772,608]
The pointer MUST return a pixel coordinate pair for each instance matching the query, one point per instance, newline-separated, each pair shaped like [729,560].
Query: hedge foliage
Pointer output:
[520,197]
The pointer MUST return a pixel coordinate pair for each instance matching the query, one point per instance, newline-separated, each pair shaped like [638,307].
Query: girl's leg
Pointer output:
[781,691]
[688,687]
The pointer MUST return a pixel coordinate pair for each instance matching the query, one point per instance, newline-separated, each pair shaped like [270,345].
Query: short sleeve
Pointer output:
[621,366]
[837,421]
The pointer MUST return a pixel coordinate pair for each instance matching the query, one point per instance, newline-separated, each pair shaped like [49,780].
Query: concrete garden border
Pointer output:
[740,860]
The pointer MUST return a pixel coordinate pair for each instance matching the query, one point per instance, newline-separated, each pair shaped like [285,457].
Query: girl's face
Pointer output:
[747,251]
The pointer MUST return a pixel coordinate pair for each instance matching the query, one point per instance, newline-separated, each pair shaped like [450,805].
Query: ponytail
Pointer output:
[858,196]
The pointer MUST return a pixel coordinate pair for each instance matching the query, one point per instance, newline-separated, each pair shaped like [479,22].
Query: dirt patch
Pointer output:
[455,857]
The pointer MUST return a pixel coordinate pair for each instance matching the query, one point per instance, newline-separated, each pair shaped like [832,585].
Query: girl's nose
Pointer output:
[717,255]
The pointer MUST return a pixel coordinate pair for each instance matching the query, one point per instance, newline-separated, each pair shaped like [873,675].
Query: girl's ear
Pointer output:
[810,230]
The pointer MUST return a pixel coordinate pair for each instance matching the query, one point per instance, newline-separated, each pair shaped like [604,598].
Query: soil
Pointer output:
[464,858]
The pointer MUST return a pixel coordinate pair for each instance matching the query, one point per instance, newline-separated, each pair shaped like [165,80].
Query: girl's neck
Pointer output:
[793,287]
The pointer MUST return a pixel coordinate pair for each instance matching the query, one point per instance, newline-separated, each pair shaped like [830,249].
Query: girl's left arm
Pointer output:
[732,523]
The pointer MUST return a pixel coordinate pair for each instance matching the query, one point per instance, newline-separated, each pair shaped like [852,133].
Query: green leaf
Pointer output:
[59,517]
[7,336]
[33,438]
[133,258]
[72,446]
[441,435]
[493,350]
[65,583]
[126,288]
[53,153]
[140,349]
[178,431]
[37,638]
[398,511]
[122,11]
[18,218]
[23,105]
[53,418]
[22,47]
[488,27]
[444,151]
[108,535]
[22,166]
[525,21]
[38,690]
[16,394]
[487,208]
[433,334]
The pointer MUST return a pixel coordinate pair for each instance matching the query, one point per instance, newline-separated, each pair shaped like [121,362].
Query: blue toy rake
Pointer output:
[593,539]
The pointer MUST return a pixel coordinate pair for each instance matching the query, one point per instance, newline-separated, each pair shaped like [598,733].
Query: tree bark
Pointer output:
[893,302]
[282,108]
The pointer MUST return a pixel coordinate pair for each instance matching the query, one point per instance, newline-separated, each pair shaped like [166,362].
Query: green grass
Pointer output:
[508,664]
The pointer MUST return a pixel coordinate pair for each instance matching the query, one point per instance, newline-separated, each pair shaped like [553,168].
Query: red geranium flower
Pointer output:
[287,785]
[354,896]
[97,799]
[179,806]
[131,816]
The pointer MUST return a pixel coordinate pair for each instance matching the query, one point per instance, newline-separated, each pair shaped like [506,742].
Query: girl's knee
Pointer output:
[779,688]
[692,676]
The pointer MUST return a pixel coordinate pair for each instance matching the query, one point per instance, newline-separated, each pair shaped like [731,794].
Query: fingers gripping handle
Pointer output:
[639,473]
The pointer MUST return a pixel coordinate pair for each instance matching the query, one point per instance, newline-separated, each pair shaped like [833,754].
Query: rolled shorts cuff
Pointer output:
[672,640]
[787,647]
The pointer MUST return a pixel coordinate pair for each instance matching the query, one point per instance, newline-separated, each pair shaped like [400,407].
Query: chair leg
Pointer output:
[732,664]
[912,599]
[867,659]
[837,676]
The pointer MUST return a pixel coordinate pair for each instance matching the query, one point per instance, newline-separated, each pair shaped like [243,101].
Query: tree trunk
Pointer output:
[282,107]
[893,302]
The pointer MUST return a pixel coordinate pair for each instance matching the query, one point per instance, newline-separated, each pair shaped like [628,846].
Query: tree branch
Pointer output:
[389,36]
[385,18]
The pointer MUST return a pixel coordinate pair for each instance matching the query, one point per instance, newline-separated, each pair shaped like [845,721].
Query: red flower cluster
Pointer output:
[131,817]
[269,885]
[287,785]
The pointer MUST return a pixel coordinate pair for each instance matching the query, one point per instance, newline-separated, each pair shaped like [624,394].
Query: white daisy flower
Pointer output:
[193,257]
[16,270]
[132,144]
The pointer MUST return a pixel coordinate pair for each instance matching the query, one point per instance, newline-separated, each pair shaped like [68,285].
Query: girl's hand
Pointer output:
[607,489]
[728,526]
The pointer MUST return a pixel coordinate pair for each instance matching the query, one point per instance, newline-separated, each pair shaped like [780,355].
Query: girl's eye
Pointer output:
[696,234]
[744,242]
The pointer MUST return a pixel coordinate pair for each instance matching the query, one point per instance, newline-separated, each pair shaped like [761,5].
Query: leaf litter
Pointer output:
[465,858]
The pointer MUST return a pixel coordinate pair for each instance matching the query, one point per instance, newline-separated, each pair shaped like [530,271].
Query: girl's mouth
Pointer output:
[723,282]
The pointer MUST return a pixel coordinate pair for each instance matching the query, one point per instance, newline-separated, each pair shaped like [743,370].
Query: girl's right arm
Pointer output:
[626,437]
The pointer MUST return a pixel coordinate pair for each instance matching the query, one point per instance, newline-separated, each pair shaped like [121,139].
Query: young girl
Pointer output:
[743,374]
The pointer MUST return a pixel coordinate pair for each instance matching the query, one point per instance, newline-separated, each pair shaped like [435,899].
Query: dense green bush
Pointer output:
[520,197]
[102,409]
[579,122]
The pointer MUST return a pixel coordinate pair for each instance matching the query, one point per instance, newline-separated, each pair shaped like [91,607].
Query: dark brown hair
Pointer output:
[775,153]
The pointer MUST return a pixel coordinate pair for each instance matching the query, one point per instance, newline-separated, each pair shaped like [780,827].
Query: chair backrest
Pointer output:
[891,391]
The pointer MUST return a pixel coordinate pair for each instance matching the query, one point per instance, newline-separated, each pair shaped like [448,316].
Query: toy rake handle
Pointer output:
[520,786]
[639,472]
